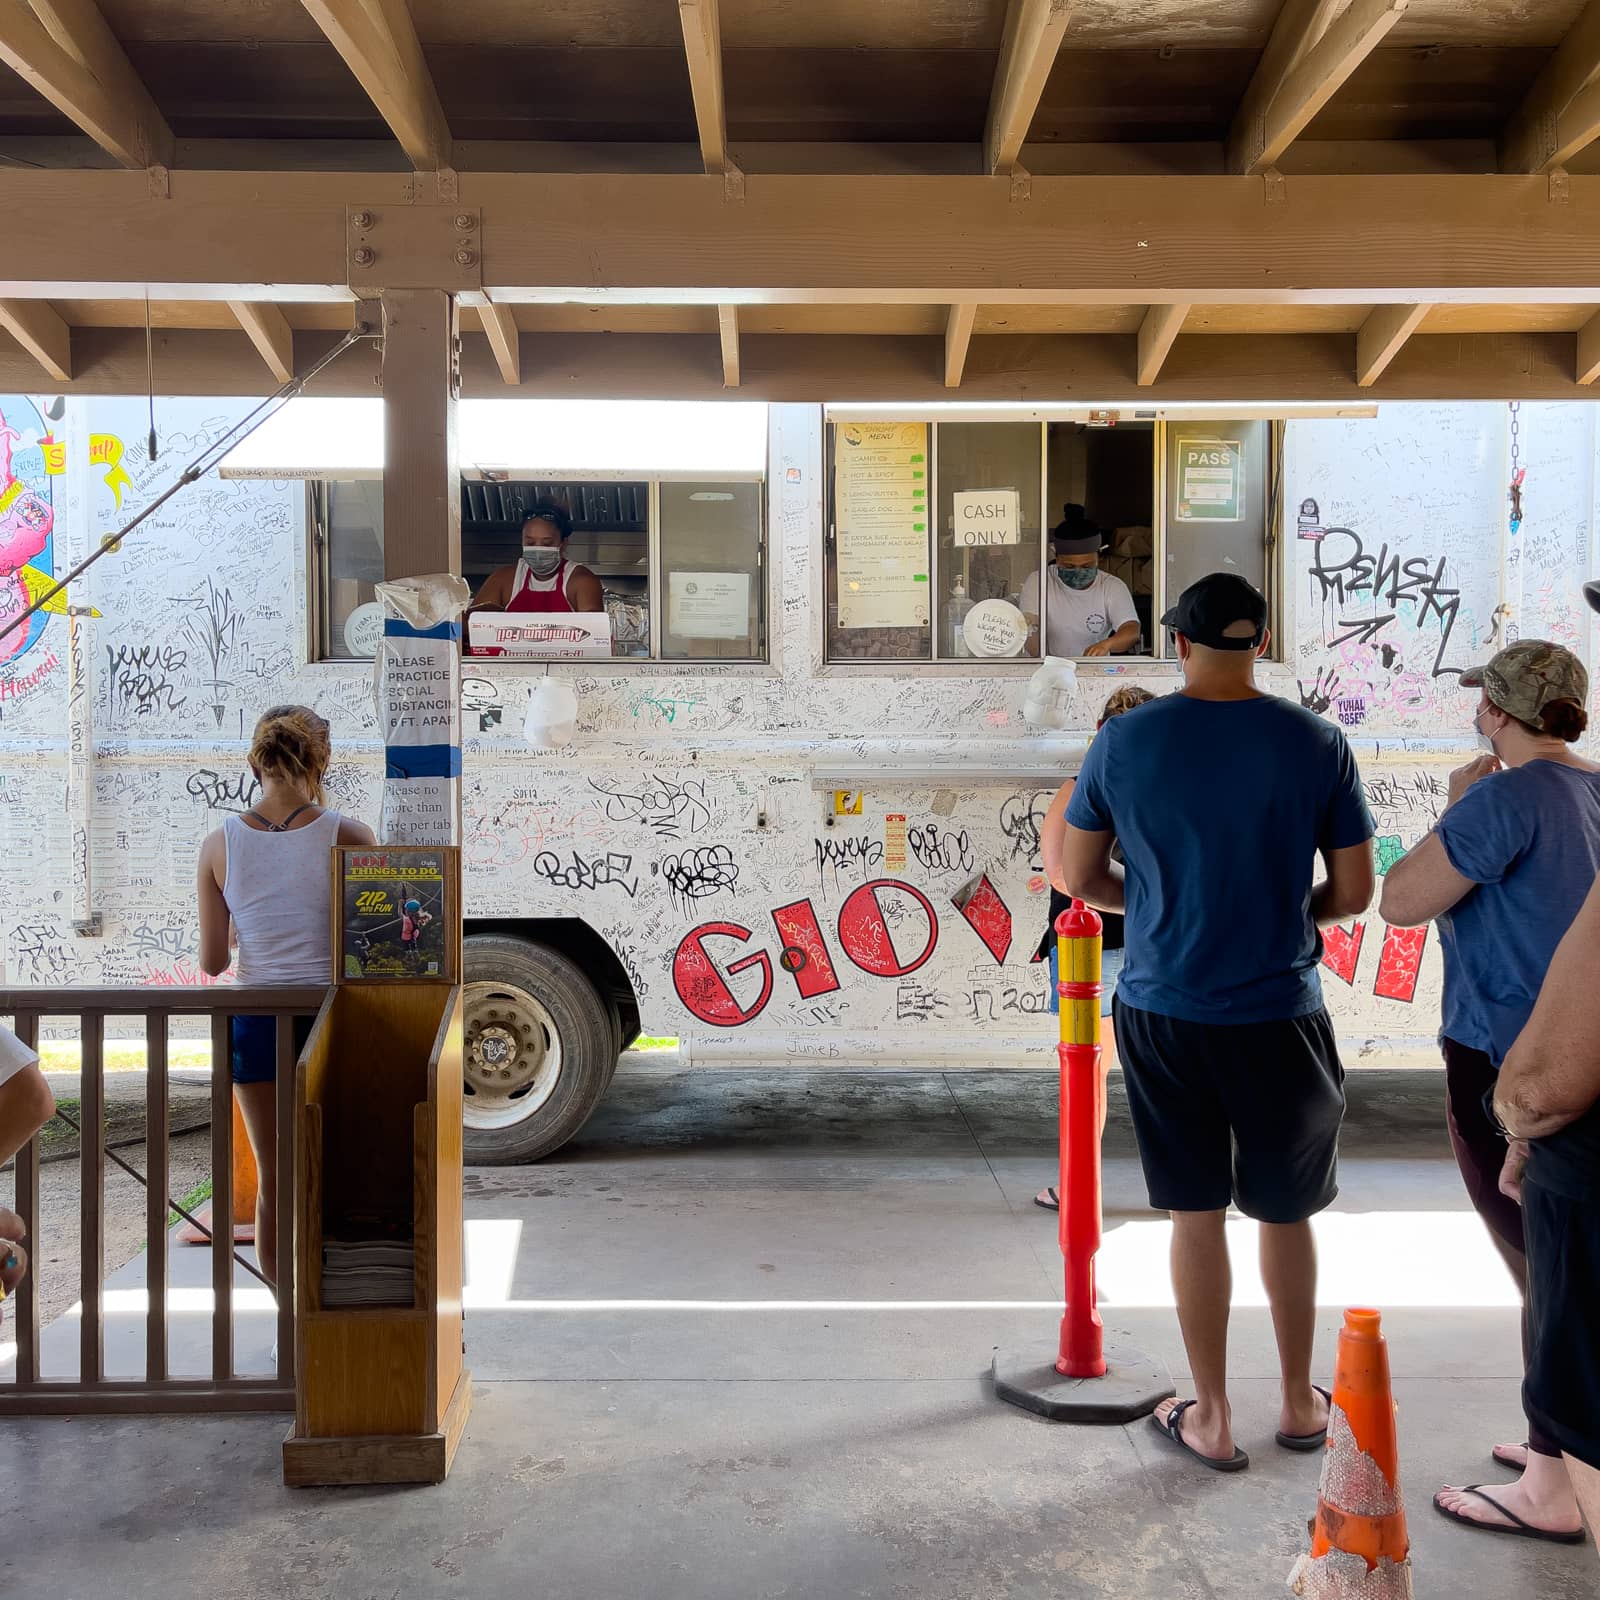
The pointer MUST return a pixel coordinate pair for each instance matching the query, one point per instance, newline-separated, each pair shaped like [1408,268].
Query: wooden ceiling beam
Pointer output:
[702,46]
[1157,333]
[1588,341]
[1299,77]
[270,333]
[1551,125]
[500,324]
[1033,33]
[957,341]
[379,43]
[36,327]
[1380,337]
[728,333]
[67,52]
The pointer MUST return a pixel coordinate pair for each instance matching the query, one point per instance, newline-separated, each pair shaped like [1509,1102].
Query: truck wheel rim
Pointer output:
[513,1056]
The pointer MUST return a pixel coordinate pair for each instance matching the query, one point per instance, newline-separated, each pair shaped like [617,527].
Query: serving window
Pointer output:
[939,536]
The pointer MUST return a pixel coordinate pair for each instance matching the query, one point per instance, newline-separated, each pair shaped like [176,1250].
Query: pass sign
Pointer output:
[1210,480]
[985,517]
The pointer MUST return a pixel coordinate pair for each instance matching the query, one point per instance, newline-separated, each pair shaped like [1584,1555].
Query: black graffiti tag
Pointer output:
[609,871]
[141,677]
[941,852]
[1021,817]
[1344,571]
[697,874]
[848,853]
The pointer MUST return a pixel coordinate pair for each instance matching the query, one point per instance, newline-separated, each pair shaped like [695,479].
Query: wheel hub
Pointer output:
[513,1054]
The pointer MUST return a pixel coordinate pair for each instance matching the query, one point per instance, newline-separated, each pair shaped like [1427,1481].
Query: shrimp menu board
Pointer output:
[395,910]
[880,500]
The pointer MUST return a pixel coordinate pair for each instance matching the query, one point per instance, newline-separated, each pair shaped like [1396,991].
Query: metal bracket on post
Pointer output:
[1021,183]
[1274,192]
[413,247]
[1560,187]
[733,183]
[160,182]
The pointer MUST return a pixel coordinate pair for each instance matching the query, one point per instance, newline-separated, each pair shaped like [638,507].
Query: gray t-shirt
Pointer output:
[1078,618]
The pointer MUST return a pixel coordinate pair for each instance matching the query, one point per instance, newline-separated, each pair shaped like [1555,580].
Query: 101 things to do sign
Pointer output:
[985,517]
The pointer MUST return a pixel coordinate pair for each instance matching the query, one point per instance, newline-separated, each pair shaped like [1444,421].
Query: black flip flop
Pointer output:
[1306,1442]
[1510,1466]
[1170,1429]
[1052,1204]
[1517,1528]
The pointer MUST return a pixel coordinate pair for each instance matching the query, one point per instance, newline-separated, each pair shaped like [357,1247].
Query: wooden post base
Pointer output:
[380,1458]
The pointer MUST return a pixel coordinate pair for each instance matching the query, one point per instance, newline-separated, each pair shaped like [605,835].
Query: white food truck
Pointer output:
[799,818]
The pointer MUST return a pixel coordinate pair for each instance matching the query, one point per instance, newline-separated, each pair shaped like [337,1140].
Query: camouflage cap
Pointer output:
[1526,676]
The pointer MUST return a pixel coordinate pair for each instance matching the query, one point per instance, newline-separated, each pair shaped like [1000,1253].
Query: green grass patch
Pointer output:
[192,1201]
[643,1043]
[122,1055]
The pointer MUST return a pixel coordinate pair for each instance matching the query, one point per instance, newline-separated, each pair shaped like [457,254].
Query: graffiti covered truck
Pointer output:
[798,819]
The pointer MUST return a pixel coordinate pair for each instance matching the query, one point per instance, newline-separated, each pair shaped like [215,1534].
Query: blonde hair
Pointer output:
[292,744]
[1126,698]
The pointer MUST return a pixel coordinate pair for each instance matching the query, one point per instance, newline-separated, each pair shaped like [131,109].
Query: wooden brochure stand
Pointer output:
[382,1391]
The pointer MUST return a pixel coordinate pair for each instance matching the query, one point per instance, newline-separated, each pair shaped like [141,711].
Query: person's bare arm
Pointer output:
[495,594]
[1051,832]
[1347,890]
[355,835]
[1087,871]
[584,591]
[1421,885]
[1123,640]
[26,1104]
[1552,1074]
[214,920]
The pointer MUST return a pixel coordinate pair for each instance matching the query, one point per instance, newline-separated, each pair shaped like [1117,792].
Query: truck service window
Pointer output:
[1217,500]
[711,558]
[346,519]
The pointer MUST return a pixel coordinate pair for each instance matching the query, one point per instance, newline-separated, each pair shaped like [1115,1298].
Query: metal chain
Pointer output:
[1514,488]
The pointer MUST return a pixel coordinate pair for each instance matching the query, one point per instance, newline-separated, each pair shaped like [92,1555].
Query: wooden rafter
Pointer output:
[270,333]
[1380,337]
[1298,77]
[500,324]
[37,328]
[702,44]
[957,338]
[1161,326]
[66,51]
[728,331]
[1560,114]
[1033,33]
[1589,350]
[379,43]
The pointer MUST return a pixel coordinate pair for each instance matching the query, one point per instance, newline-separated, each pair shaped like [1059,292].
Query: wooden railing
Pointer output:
[91,1392]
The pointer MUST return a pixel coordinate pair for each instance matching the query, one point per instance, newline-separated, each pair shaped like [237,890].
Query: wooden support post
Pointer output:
[1161,326]
[421,492]
[728,331]
[92,1196]
[1380,338]
[155,1226]
[957,337]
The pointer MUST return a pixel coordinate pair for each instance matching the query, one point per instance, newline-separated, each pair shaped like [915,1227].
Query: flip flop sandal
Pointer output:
[1306,1442]
[1170,1429]
[1515,1526]
[1052,1204]
[1506,1461]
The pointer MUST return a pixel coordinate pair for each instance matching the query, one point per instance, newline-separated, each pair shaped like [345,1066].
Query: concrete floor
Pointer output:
[734,1343]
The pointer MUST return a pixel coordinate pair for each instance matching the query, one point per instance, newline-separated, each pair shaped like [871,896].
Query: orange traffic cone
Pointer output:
[1359,1548]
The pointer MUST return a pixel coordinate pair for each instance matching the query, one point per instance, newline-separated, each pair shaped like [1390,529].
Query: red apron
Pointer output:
[530,594]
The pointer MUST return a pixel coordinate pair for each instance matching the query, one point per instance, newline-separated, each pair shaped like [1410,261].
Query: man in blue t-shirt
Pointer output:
[1222,798]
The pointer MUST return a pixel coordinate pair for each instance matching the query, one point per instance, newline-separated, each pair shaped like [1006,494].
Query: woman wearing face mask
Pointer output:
[1504,873]
[1087,612]
[543,580]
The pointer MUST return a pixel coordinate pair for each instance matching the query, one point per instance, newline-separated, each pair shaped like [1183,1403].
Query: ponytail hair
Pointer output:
[291,744]
[1564,720]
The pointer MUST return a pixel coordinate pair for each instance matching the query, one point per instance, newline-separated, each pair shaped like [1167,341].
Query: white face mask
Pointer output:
[1484,741]
[541,559]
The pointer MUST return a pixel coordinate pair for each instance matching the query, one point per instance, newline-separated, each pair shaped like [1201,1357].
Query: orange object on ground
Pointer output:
[244,1190]
[1359,1547]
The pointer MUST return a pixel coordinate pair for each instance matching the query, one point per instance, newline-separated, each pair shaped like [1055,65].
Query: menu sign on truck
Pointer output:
[880,496]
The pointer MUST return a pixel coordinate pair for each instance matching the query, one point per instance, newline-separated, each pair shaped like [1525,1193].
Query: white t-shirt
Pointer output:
[1078,618]
[14,1055]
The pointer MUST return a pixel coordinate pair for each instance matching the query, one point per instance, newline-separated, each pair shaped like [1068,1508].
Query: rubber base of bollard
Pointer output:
[1133,1386]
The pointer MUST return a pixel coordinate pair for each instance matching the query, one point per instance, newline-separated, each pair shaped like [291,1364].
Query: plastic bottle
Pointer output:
[955,613]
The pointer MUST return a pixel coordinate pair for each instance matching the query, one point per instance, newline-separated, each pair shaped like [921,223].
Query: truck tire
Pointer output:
[540,1049]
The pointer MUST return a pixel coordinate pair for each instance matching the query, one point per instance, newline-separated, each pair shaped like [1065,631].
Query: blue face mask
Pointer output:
[1077,577]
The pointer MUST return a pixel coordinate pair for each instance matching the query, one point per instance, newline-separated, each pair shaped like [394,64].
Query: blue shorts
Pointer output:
[1110,971]
[255,1047]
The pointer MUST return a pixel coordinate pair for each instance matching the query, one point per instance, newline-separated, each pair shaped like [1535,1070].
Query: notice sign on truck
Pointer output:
[1210,479]
[985,517]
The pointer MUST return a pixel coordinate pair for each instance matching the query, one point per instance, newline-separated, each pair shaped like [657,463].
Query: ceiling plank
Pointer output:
[1532,140]
[378,41]
[1033,33]
[36,327]
[728,330]
[1589,350]
[500,324]
[957,339]
[1161,326]
[702,44]
[270,333]
[67,52]
[1316,74]
[1380,337]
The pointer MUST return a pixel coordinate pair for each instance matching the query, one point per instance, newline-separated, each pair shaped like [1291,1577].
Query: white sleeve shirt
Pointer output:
[1078,618]
[14,1055]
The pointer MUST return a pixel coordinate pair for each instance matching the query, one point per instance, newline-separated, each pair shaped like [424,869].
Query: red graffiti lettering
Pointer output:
[864,928]
[1400,963]
[1341,950]
[703,988]
[805,952]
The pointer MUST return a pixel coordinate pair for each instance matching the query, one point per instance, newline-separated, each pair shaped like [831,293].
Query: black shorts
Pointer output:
[1561,1392]
[1243,1112]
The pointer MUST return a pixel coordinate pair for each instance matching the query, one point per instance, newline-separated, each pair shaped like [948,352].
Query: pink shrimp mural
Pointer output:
[29,457]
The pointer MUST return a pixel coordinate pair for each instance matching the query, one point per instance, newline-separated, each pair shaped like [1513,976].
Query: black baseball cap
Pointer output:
[1208,608]
[1591,593]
